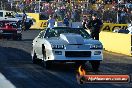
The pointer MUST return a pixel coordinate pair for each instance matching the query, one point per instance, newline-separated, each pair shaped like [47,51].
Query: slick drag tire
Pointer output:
[95,65]
[35,60]
[45,64]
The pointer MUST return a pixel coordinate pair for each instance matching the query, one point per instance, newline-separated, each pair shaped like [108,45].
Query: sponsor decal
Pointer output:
[111,27]
[43,24]
[83,78]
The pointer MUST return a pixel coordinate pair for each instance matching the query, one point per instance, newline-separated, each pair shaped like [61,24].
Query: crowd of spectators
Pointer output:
[110,11]
[109,1]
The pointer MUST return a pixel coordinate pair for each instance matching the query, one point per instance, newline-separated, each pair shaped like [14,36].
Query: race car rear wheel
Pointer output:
[95,65]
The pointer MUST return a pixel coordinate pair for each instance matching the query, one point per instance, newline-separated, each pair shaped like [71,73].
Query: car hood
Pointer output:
[71,39]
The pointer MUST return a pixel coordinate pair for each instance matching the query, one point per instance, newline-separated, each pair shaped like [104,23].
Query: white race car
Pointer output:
[64,44]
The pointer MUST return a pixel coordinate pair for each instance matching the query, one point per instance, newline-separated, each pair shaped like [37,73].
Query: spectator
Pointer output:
[51,22]
[66,21]
[62,13]
[113,15]
[95,25]
[84,21]
[77,14]
[122,16]
[107,15]
[24,18]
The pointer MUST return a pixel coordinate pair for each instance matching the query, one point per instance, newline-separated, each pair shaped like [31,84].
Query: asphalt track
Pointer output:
[17,70]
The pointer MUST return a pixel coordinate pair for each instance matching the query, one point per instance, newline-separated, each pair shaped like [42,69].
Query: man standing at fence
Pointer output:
[51,22]
[95,26]
[24,18]
[66,21]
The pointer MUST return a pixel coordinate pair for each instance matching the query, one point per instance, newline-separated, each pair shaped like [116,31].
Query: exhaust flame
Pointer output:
[81,71]
[81,75]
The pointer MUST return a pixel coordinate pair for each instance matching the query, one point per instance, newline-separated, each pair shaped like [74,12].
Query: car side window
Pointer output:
[1,14]
[51,33]
[42,34]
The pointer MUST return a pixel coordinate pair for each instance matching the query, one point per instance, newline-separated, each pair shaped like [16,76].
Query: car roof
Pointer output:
[5,11]
[8,19]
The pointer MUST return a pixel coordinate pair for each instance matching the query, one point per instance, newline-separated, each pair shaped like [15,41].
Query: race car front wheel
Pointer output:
[34,59]
[95,65]
[46,64]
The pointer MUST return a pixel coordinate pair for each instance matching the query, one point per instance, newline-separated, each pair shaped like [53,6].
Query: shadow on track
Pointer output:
[16,66]
[27,39]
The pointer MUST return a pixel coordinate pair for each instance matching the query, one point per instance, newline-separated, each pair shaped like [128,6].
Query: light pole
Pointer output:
[11,5]
[117,12]
[1,5]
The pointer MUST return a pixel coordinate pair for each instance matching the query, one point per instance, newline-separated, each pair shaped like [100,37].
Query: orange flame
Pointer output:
[82,72]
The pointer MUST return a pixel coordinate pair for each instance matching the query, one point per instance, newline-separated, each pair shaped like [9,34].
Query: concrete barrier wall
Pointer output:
[117,42]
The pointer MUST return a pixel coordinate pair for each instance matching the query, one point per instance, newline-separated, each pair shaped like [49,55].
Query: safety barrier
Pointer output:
[106,26]
[71,24]
[57,24]
[76,24]
[41,24]
[38,24]
[117,42]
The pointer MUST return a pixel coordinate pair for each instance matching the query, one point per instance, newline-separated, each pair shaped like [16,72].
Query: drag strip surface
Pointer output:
[17,70]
